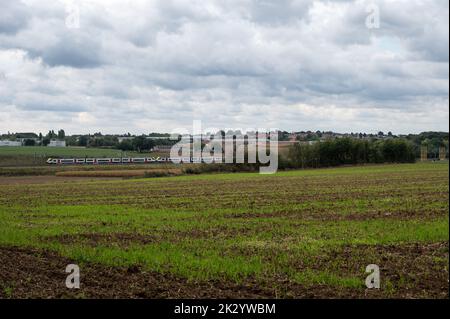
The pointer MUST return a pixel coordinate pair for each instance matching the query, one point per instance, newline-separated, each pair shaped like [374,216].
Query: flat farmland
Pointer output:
[37,156]
[24,156]
[295,234]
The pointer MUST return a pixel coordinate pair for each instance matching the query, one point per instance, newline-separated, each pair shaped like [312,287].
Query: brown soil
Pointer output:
[407,270]
[95,239]
[26,180]
[127,239]
[29,273]
[326,215]
[120,173]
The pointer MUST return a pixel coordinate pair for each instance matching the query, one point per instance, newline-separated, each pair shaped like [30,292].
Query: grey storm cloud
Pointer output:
[13,16]
[76,51]
[153,65]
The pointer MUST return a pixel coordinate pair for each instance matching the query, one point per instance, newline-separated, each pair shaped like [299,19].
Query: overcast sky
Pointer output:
[142,66]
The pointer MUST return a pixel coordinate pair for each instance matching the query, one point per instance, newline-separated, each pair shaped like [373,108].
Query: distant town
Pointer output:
[163,142]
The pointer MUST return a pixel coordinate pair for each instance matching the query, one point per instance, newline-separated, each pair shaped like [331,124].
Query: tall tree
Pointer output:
[61,134]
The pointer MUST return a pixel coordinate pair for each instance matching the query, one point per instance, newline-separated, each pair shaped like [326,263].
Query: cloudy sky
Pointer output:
[142,66]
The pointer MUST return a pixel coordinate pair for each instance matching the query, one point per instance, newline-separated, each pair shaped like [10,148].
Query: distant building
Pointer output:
[10,143]
[159,138]
[120,139]
[442,153]
[293,137]
[308,142]
[57,143]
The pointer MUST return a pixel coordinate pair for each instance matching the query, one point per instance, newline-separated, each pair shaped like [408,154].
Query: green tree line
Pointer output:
[347,151]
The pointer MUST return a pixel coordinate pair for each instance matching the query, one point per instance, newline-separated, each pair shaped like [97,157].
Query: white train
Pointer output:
[132,160]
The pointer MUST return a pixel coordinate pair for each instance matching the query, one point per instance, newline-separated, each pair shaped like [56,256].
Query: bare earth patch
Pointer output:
[30,273]
[121,173]
[27,180]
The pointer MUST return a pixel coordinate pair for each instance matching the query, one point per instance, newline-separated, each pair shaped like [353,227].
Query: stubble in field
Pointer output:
[295,234]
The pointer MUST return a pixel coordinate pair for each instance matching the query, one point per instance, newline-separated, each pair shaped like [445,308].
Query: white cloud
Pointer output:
[143,66]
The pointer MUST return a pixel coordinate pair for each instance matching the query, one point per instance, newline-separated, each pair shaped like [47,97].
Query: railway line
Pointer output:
[132,160]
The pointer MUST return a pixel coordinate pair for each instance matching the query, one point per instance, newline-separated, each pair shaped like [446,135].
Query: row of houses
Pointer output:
[21,142]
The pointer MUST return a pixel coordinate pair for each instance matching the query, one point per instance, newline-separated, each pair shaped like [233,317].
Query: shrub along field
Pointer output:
[295,234]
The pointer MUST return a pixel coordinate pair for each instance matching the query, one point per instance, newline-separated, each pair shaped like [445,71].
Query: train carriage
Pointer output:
[102,161]
[67,161]
[137,160]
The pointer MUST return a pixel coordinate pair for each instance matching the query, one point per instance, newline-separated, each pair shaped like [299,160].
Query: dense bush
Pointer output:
[348,151]
[345,151]
[220,168]
[29,142]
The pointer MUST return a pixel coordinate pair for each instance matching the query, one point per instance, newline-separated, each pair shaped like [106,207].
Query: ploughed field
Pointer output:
[296,234]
